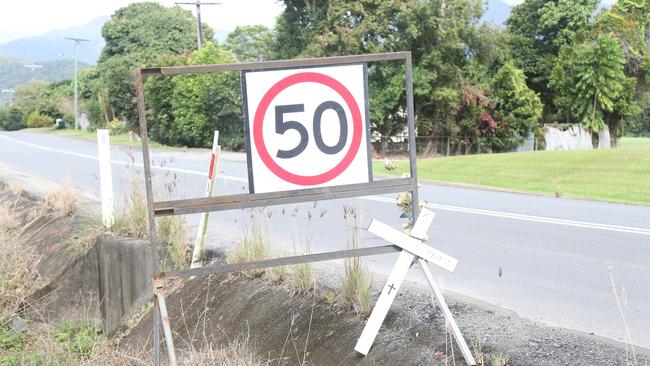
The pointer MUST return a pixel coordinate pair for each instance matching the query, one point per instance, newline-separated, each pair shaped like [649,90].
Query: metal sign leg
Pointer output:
[167,331]
[437,295]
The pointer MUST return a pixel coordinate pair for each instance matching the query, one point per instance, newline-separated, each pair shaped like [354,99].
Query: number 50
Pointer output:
[282,126]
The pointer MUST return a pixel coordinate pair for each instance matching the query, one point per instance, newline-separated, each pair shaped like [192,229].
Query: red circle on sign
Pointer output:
[258,121]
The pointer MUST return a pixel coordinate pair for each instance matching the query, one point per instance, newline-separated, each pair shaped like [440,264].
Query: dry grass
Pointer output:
[62,201]
[135,216]
[499,358]
[277,274]
[18,262]
[173,233]
[253,245]
[9,219]
[241,352]
[477,346]
[356,286]
[302,275]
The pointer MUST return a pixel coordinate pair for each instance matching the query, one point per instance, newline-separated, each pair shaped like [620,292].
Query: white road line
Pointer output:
[126,163]
[473,211]
[513,216]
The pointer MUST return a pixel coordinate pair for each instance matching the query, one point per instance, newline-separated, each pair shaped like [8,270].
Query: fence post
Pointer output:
[199,245]
[105,177]
[448,145]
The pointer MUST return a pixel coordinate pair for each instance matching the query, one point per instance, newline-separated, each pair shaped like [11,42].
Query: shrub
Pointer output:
[36,119]
[12,120]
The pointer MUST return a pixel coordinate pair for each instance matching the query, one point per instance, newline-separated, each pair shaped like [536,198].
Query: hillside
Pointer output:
[14,72]
[52,45]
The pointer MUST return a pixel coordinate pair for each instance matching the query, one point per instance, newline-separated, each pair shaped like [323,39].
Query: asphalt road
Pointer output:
[553,253]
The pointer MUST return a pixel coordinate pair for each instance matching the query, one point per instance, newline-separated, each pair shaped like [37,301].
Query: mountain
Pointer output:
[52,45]
[496,12]
[14,72]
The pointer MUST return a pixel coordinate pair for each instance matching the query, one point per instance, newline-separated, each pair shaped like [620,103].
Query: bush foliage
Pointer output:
[36,119]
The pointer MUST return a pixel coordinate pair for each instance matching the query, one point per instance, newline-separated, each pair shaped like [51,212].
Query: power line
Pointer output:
[77,42]
[199,26]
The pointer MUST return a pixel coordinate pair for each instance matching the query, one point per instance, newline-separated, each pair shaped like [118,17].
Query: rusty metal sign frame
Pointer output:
[250,200]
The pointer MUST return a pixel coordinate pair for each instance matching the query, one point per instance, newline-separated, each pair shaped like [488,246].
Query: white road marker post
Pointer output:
[413,247]
[105,177]
[199,246]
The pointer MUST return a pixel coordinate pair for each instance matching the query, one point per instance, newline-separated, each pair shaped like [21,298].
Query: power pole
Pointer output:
[76,41]
[199,27]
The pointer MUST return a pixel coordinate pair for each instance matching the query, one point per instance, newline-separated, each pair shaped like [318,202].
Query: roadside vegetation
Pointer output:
[477,84]
[619,175]
[254,244]
[133,220]
[356,285]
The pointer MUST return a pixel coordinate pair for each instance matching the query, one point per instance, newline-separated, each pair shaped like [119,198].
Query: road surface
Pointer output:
[553,253]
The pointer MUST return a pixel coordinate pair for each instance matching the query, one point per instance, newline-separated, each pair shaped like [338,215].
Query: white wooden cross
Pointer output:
[413,246]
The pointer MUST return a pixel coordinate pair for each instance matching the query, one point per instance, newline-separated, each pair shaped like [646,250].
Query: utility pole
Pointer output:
[76,41]
[199,27]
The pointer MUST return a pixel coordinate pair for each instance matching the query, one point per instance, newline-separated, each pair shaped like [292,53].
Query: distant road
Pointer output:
[553,252]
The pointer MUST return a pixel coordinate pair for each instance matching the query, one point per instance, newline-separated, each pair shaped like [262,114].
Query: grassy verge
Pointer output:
[121,139]
[616,175]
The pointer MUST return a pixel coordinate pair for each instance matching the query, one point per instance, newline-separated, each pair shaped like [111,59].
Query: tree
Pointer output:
[298,27]
[11,119]
[539,29]
[250,43]
[139,35]
[519,106]
[591,85]
[26,95]
[186,109]
[338,27]
[438,33]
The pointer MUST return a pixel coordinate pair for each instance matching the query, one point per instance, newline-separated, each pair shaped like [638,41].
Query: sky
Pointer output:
[33,17]
[20,19]
[515,2]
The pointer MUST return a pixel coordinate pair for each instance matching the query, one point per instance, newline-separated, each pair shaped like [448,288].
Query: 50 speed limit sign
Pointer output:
[307,127]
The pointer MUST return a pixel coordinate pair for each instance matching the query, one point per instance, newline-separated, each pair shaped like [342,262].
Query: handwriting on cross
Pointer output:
[412,246]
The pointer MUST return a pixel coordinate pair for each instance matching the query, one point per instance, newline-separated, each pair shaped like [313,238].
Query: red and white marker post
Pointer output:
[199,246]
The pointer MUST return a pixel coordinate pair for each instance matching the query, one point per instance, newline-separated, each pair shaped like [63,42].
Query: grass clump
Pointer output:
[173,233]
[254,245]
[9,219]
[62,201]
[499,358]
[134,220]
[302,275]
[356,286]
[240,352]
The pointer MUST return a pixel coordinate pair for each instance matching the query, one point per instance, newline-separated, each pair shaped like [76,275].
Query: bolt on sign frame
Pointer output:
[250,200]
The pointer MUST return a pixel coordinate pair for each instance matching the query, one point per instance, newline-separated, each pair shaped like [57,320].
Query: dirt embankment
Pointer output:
[291,328]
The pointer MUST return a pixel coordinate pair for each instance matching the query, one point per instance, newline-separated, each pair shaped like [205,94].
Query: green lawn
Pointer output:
[618,175]
[121,139]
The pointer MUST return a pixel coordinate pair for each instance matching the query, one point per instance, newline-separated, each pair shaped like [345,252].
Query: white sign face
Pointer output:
[307,128]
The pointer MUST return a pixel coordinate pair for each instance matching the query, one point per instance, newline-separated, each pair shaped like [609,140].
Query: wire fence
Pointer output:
[433,146]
